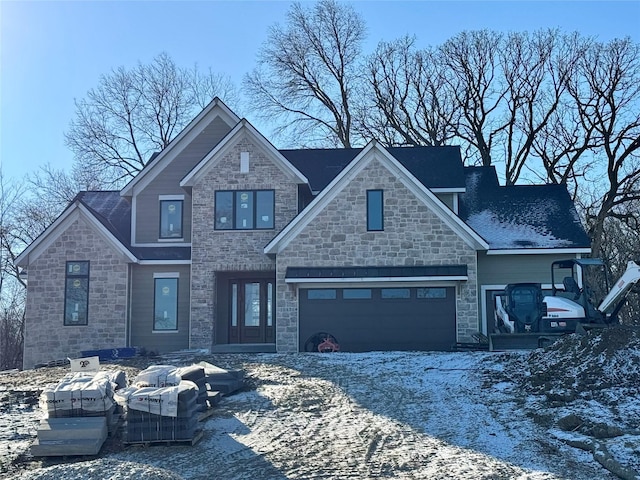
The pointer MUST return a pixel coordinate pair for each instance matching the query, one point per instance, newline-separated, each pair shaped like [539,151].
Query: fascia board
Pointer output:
[450,278]
[51,234]
[281,240]
[541,251]
[448,190]
[226,143]
[178,144]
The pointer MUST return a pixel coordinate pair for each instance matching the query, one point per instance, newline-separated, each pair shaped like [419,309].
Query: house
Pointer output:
[224,240]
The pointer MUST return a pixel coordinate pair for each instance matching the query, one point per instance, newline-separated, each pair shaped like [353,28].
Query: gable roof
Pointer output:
[521,217]
[75,210]
[371,151]
[243,127]
[437,168]
[216,108]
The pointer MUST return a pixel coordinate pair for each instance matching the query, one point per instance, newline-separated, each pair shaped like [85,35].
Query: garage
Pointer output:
[386,318]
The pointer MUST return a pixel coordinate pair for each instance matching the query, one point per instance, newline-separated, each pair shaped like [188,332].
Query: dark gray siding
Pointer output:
[141,321]
[168,183]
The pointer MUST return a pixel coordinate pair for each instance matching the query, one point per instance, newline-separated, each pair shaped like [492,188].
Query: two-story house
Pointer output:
[224,240]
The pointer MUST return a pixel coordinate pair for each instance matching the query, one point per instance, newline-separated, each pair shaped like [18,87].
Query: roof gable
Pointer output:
[76,210]
[215,109]
[243,128]
[374,151]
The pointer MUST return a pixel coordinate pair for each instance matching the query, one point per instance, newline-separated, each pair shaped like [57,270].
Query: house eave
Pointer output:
[540,251]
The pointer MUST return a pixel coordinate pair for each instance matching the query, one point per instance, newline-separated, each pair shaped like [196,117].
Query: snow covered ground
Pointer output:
[380,415]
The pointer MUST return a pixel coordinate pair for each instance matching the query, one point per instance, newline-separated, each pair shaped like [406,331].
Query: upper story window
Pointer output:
[245,210]
[171,217]
[76,293]
[375,210]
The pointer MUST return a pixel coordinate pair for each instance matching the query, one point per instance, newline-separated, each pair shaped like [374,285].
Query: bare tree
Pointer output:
[308,71]
[470,62]
[411,102]
[606,92]
[133,113]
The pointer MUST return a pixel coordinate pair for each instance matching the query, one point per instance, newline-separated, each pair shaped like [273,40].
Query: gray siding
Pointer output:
[168,183]
[446,198]
[142,298]
[499,270]
[504,269]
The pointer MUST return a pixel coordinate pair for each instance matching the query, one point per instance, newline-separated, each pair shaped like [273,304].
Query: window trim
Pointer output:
[379,212]
[68,277]
[234,195]
[157,277]
[170,198]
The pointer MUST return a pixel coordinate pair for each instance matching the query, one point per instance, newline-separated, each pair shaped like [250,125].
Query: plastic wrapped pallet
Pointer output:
[78,395]
[221,380]
[160,414]
[175,401]
[158,376]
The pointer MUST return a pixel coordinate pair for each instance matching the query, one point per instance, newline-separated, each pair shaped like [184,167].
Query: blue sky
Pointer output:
[53,52]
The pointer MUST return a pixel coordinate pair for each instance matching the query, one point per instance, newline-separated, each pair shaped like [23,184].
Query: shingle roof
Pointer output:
[520,216]
[435,167]
[114,212]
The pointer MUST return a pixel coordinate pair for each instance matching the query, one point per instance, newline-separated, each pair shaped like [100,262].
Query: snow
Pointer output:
[412,415]
[503,234]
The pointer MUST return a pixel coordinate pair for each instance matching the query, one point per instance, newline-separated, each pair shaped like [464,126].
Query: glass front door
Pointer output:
[251,311]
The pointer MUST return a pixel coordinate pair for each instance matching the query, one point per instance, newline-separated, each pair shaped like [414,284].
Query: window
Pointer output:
[165,304]
[76,294]
[171,218]
[321,294]
[375,210]
[432,293]
[395,293]
[244,210]
[356,294]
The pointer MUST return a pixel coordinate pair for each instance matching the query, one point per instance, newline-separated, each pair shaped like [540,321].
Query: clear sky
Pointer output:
[52,52]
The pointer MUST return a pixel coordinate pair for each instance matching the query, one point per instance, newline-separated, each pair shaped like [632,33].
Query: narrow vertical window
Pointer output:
[76,294]
[165,304]
[244,210]
[170,218]
[224,211]
[375,208]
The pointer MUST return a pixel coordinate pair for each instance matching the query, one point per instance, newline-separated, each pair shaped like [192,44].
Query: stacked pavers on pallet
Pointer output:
[160,406]
[79,411]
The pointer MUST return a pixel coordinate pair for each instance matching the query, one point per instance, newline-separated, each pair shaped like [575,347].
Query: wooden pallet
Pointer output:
[148,443]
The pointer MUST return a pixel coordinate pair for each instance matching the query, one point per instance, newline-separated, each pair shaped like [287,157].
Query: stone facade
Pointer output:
[46,336]
[337,237]
[232,250]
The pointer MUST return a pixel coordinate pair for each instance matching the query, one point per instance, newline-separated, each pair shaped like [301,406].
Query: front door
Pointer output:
[251,311]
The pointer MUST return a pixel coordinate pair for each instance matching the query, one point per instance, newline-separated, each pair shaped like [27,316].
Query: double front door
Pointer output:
[251,311]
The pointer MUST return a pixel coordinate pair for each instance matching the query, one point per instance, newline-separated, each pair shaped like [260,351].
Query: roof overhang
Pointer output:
[436,273]
[541,251]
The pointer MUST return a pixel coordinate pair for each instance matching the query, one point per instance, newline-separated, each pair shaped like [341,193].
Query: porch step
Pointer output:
[244,348]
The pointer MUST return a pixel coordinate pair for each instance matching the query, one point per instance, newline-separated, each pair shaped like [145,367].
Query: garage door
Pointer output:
[368,319]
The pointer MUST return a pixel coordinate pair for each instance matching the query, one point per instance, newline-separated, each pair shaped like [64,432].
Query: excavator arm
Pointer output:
[618,293]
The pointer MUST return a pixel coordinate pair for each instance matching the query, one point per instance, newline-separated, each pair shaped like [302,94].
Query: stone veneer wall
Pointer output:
[338,237]
[228,250]
[46,337]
